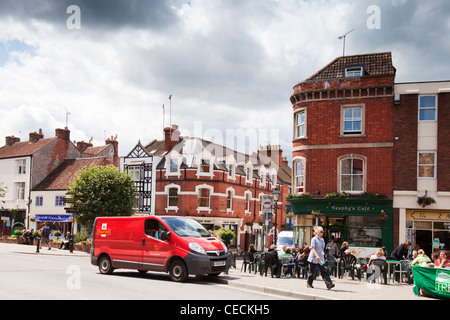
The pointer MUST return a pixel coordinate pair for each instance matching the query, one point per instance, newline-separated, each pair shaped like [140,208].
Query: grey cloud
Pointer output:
[103,14]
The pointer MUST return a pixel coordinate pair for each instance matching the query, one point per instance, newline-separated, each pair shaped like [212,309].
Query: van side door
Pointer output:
[155,251]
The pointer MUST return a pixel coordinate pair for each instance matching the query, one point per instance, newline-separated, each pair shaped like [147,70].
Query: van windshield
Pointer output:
[285,241]
[186,227]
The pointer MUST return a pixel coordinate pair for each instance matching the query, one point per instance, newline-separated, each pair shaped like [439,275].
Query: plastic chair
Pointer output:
[248,261]
[331,265]
[288,261]
[347,263]
[301,268]
[404,268]
[376,269]
[259,262]
[362,267]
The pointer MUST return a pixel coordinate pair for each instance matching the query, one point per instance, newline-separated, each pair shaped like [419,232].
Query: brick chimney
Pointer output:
[273,152]
[82,146]
[11,140]
[63,134]
[113,141]
[171,137]
[34,136]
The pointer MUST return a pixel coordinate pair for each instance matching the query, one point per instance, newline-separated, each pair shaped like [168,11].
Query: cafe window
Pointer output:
[365,231]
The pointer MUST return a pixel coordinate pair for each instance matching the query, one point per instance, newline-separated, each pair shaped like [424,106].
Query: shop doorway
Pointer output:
[424,239]
[335,226]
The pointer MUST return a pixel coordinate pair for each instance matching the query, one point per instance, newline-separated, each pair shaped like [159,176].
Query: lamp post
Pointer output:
[276,195]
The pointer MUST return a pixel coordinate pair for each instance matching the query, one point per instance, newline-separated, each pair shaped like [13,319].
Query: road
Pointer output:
[27,275]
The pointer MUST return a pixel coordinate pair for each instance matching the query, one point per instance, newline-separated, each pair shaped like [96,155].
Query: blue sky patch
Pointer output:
[7,47]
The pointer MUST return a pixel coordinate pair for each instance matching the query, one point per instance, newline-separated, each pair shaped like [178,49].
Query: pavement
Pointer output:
[289,288]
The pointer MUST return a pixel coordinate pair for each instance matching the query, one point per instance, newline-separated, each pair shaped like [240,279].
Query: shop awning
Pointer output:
[54,218]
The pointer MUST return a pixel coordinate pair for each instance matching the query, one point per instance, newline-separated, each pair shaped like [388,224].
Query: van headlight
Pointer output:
[194,246]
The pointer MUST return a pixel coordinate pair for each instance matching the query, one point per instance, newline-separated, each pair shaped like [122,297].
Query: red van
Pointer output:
[178,245]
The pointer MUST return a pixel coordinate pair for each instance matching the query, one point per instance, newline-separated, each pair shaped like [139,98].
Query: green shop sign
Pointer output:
[340,206]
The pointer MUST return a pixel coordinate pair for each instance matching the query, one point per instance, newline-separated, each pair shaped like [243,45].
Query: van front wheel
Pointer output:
[178,271]
[105,265]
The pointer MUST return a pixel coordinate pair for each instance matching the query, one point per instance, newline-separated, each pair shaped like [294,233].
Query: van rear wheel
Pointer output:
[178,271]
[105,265]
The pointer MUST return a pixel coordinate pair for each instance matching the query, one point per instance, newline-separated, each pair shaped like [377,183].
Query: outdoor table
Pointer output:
[389,263]
[434,282]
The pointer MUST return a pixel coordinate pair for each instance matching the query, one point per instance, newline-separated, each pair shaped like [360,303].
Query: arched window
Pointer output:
[299,175]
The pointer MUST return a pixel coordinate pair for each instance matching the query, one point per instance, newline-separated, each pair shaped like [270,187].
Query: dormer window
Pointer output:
[354,71]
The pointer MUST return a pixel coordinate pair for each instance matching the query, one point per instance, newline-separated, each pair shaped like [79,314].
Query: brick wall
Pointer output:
[405,143]
[443,156]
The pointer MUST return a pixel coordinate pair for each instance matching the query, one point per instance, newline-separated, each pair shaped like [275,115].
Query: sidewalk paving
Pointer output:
[345,289]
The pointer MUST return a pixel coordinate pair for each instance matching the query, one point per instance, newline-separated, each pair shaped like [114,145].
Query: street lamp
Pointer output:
[276,195]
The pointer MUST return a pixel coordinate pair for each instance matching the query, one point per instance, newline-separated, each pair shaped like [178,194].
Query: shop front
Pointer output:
[366,224]
[428,229]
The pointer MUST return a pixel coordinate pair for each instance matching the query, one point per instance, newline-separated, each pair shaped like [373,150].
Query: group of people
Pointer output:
[417,256]
[312,255]
[44,236]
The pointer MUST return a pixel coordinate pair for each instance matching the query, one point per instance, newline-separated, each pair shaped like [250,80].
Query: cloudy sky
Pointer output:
[230,65]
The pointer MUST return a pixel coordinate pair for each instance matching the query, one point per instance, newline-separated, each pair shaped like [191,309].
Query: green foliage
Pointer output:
[80,236]
[102,191]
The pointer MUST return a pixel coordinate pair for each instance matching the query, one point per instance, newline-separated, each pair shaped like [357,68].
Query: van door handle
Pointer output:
[143,241]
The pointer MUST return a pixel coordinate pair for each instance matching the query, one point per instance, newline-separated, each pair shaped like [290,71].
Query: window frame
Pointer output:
[59,201]
[22,166]
[360,133]
[427,165]
[302,125]
[39,201]
[296,161]
[20,188]
[349,70]
[364,173]
[200,197]
[435,108]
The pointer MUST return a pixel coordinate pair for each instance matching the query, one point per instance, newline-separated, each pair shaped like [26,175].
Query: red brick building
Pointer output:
[211,183]
[343,143]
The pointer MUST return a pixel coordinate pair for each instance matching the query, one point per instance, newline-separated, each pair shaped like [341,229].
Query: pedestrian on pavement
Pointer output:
[317,260]
[46,236]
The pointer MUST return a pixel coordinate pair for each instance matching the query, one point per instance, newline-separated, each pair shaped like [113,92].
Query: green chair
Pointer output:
[403,268]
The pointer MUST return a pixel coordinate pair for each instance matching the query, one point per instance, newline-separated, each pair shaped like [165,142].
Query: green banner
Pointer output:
[434,282]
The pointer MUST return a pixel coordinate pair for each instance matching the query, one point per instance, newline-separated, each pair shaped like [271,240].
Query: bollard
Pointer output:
[71,243]
[38,244]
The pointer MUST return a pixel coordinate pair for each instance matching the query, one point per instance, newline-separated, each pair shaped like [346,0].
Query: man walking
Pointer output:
[317,260]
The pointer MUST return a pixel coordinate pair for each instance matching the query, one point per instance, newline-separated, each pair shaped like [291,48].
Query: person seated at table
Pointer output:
[442,261]
[252,250]
[283,250]
[271,259]
[421,259]
[379,254]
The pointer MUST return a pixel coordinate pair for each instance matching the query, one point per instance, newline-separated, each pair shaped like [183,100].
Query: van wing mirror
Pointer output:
[165,236]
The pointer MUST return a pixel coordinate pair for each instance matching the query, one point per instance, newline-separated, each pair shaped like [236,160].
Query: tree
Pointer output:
[101,191]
